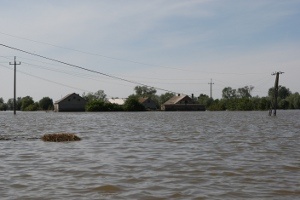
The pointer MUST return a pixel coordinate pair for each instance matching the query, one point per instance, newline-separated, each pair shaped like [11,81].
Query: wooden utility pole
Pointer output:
[276,91]
[15,70]
[211,83]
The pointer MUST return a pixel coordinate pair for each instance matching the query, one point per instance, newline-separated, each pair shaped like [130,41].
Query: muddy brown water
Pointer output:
[151,155]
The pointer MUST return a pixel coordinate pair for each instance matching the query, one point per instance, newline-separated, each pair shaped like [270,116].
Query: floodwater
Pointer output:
[151,155]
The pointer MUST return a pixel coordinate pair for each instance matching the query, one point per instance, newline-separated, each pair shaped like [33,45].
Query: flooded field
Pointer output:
[151,155]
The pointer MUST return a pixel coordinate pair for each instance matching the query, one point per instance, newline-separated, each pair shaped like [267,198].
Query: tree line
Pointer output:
[232,99]
[27,104]
[241,99]
[97,101]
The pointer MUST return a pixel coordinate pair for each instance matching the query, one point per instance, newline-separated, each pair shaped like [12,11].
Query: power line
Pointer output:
[50,81]
[138,77]
[89,53]
[80,75]
[93,54]
[122,59]
[88,76]
[47,80]
[82,68]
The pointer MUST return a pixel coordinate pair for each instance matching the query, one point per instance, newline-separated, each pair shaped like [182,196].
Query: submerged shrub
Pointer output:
[60,137]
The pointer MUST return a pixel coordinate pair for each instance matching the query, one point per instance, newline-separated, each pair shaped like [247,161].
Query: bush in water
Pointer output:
[60,137]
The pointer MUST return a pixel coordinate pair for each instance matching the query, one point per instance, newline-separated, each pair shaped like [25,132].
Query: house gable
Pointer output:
[148,103]
[70,103]
[182,99]
[182,103]
[185,100]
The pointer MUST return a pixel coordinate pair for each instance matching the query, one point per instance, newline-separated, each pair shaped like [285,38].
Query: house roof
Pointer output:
[143,99]
[176,99]
[67,96]
[117,101]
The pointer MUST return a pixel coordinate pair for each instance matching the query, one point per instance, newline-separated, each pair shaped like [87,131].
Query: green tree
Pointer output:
[283,104]
[245,92]
[217,105]
[95,105]
[3,106]
[32,107]
[46,103]
[100,105]
[294,101]
[25,102]
[165,97]
[231,104]
[19,103]
[10,104]
[143,91]
[264,103]
[114,107]
[99,95]
[283,92]
[205,100]
[228,93]
[244,104]
[132,104]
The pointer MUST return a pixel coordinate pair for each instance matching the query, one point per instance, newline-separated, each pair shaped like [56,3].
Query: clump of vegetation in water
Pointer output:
[60,137]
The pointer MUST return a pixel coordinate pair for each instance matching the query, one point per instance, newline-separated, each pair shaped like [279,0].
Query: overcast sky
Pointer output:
[174,45]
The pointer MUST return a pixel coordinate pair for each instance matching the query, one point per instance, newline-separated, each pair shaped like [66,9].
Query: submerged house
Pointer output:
[70,103]
[148,103]
[182,103]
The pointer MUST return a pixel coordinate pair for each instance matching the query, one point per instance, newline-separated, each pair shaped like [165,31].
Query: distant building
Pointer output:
[148,103]
[117,101]
[70,103]
[182,103]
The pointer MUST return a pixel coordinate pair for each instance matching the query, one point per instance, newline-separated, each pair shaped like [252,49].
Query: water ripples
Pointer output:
[151,155]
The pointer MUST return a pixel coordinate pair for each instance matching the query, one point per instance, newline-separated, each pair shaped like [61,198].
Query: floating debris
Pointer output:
[60,137]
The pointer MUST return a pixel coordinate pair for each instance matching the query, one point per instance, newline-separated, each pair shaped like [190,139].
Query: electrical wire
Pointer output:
[138,77]
[125,60]
[82,68]
[61,84]
[98,72]
[80,75]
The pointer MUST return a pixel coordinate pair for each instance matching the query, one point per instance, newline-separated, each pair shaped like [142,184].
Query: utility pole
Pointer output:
[211,83]
[276,91]
[15,70]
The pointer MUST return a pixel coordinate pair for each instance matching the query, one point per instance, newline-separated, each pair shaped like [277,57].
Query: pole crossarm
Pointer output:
[274,73]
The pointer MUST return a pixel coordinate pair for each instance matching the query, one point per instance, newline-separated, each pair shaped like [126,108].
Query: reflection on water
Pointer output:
[151,155]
